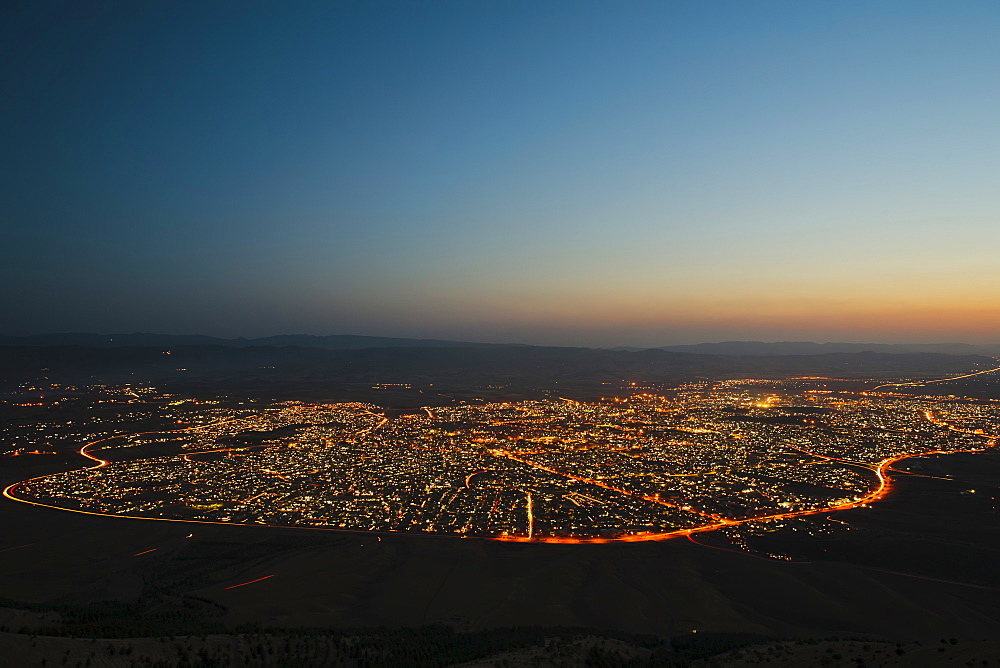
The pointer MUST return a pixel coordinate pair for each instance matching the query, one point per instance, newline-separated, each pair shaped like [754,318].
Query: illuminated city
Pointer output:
[500,334]
[649,464]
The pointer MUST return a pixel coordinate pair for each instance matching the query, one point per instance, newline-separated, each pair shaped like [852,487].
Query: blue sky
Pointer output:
[591,173]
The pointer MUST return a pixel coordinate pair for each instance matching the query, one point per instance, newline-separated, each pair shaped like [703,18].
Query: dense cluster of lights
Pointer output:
[702,456]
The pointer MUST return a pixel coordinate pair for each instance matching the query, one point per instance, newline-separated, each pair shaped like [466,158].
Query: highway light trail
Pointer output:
[531,517]
[468,478]
[921,383]
[249,582]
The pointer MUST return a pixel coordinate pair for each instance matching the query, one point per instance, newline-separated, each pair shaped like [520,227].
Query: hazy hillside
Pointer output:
[810,348]
[318,373]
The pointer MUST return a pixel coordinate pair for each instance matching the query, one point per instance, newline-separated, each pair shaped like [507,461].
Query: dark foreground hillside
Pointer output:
[214,595]
[523,647]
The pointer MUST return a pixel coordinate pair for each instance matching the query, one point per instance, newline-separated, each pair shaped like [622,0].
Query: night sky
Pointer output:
[580,173]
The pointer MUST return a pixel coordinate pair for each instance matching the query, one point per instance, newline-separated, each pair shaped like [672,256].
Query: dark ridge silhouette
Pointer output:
[140,339]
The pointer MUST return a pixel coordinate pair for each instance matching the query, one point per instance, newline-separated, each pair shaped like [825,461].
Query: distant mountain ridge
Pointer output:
[810,348]
[145,340]
[358,342]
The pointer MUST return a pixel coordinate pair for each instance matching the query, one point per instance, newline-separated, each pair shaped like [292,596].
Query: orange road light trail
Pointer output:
[249,582]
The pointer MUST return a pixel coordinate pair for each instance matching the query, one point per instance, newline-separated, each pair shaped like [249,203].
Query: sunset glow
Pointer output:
[589,174]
